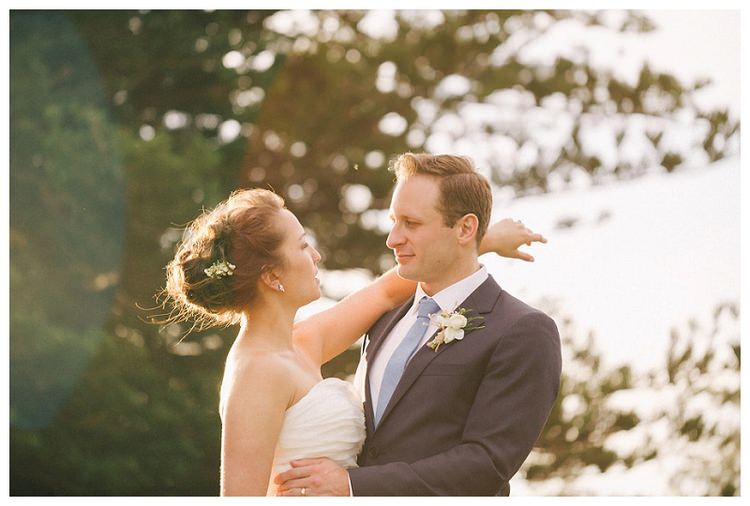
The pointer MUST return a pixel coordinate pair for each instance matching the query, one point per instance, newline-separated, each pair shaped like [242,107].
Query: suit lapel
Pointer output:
[481,301]
[371,351]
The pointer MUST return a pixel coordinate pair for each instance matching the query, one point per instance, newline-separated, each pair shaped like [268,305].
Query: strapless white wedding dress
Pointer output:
[328,421]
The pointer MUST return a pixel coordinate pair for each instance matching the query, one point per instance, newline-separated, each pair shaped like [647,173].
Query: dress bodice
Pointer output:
[327,422]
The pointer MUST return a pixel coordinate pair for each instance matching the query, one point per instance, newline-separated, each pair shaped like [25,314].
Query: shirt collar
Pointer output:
[450,297]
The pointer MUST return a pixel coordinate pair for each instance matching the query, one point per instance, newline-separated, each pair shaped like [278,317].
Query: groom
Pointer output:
[461,417]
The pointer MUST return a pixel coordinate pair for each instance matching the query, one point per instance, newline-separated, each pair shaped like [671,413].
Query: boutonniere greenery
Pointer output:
[452,326]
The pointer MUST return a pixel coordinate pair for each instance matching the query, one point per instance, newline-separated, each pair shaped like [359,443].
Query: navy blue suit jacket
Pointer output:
[463,419]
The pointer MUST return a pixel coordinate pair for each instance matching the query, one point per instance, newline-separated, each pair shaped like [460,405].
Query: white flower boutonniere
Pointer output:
[452,326]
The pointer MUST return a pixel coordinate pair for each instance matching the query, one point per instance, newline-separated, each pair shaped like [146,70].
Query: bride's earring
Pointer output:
[281,288]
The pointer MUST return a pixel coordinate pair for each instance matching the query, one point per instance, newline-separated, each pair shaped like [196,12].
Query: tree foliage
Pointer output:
[681,419]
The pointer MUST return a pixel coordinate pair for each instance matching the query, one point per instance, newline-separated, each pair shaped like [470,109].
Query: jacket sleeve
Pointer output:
[512,403]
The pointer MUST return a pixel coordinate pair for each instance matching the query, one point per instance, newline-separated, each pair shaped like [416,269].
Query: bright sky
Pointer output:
[645,256]
[691,44]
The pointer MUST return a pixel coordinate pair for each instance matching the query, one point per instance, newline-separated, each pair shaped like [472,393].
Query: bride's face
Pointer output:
[300,270]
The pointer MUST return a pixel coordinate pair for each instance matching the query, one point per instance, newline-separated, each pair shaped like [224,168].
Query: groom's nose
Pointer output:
[395,237]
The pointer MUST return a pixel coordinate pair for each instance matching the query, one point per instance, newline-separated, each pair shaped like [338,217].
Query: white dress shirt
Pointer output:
[448,299]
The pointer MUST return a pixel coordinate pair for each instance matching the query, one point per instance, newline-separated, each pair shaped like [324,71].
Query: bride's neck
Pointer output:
[269,322]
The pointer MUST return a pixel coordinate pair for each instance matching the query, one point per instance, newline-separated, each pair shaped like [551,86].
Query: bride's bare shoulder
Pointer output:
[257,372]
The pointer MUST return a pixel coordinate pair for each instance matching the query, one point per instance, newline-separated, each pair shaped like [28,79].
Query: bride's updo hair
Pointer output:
[239,232]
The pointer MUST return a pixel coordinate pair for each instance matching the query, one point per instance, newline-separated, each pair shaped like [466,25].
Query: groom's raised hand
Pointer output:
[320,476]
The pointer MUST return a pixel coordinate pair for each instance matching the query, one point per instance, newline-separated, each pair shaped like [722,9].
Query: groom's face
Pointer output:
[425,248]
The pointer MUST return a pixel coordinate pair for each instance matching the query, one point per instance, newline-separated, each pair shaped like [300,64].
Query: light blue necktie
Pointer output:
[403,353]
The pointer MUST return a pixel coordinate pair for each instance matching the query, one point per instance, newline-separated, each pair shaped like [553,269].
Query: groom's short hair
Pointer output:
[462,189]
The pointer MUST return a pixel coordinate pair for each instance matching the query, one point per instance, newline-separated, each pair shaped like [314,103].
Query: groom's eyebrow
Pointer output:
[392,216]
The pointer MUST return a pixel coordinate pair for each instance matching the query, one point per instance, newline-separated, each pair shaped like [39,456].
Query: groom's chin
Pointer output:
[404,272]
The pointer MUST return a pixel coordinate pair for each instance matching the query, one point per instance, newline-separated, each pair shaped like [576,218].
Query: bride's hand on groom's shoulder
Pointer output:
[506,236]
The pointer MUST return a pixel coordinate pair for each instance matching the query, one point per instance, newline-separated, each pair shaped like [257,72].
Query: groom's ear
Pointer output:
[466,228]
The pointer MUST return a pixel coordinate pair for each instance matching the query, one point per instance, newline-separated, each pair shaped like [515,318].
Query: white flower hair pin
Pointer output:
[452,326]
[220,269]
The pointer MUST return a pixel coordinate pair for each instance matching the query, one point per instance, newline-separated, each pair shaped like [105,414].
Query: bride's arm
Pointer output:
[330,332]
[255,397]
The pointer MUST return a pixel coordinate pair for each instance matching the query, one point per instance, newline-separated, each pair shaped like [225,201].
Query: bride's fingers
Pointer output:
[537,237]
[521,255]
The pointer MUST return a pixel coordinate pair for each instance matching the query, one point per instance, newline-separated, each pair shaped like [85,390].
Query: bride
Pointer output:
[247,261]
